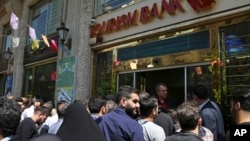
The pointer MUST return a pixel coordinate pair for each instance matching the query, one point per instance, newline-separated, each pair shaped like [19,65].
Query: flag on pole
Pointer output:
[45,40]
[14,21]
[15,42]
[32,33]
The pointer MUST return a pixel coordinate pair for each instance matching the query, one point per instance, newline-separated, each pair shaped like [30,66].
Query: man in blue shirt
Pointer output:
[120,124]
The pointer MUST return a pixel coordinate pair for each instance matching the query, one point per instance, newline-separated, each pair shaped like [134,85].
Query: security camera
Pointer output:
[92,21]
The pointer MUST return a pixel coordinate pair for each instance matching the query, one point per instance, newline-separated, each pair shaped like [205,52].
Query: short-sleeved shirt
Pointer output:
[152,131]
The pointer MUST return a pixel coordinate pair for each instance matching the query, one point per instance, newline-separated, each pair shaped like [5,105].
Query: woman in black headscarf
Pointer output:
[78,125]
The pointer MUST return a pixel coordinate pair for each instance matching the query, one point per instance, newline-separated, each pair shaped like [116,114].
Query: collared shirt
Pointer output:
[203,104]
[51,120]
[54,128]
[29,112]
[94,116]
[206,134]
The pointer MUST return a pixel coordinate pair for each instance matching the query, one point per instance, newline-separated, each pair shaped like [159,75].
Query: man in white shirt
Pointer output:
[29,112]
[61,107]
[148,112]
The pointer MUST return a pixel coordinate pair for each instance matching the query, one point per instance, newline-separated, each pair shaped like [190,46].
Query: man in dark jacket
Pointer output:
[120,124]
[211,114]
[28,128]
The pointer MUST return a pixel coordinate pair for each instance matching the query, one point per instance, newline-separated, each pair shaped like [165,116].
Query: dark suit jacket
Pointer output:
[213,120]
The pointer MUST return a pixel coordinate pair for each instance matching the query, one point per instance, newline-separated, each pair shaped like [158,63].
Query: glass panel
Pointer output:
[194,41]
[237,39]
[7,38]
[126,79]
[104,6]
[55,16]
[141,81]
[235,52]
[237,56]
[198,75]
[1,84]
[109,5]
[146,81]
[104,83]
[45,17]
[28,78]
[39,19]
[44,86]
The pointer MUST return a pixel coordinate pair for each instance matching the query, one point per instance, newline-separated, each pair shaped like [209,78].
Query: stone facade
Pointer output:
[76,15]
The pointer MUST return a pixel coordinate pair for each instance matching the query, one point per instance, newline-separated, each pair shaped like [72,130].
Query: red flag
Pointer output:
[53,45]
[53,76]
[14,21]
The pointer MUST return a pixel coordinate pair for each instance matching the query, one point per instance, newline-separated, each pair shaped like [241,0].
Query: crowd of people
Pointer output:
[130,115]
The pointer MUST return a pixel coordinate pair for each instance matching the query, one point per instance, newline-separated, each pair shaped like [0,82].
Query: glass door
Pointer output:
[198,75]
[38,81]
[147,80]
[180,81]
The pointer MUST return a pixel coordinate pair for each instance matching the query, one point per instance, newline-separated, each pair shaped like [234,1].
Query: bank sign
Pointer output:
[152,14]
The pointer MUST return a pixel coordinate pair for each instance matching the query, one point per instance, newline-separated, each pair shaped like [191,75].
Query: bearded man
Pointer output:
[120,124]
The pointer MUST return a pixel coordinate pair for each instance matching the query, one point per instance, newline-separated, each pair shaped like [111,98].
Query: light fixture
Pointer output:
[63,32]
[8,54]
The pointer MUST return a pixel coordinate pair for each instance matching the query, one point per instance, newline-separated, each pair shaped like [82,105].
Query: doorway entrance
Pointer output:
[179,80]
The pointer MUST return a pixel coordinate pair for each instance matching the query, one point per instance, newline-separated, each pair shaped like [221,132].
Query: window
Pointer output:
[235,48]
[38,82]
[45,17]
[104,82]
[180,81]
[104,6]
[194,41]
[6,38]
[236,43]
[3,62]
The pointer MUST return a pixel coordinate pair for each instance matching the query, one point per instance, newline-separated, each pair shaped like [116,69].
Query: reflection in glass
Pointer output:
[104,83]
[126,79]
[28,77]
[198,75]
[44,87]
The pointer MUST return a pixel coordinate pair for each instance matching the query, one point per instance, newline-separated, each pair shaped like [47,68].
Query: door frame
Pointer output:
[184,66]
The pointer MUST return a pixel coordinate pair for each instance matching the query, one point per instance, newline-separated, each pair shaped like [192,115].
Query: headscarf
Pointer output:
[78,125]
